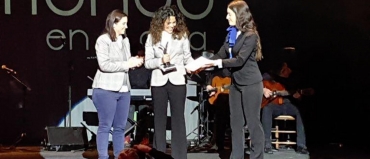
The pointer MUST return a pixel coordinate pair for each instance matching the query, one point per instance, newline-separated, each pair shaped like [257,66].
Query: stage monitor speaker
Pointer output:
[59,136]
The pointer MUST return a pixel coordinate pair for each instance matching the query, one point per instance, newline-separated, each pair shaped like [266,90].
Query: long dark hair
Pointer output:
[159,18]
[245,22]
[113,17]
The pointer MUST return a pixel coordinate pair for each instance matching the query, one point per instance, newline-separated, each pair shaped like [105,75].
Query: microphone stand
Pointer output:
[25,88]
[70,70]
[92,142]
[203,120]
[70,94]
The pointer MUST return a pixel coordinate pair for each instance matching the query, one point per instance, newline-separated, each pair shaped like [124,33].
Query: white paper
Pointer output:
[198,63]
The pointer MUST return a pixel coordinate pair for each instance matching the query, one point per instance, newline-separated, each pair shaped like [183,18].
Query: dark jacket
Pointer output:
[244,68]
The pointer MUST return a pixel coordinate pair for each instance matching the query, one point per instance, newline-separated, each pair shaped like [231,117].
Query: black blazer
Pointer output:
[243,66]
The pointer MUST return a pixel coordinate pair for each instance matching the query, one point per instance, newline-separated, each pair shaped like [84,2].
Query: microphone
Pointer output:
[8,69]
[164,49]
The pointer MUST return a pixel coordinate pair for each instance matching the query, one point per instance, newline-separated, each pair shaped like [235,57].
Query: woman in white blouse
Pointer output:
[168,44]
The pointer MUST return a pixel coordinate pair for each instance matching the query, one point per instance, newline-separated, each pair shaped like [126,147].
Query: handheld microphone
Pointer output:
[167,64]
[168,67]
[8,69]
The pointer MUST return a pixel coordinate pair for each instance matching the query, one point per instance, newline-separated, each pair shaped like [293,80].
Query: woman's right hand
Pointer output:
[166,58]
[267,92]
[208,88]
[135,61]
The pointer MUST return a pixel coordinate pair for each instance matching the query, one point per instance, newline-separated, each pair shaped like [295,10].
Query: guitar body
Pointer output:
[273,86]
[219,83]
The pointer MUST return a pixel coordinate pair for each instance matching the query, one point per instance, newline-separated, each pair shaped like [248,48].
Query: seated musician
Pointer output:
[139,79]
[280,77]
[219,107]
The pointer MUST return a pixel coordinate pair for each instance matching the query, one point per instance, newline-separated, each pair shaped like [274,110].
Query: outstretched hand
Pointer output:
[143,148]
[208,65]
[200,69]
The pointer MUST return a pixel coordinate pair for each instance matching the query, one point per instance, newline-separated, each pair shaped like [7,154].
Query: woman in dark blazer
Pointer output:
[240,53]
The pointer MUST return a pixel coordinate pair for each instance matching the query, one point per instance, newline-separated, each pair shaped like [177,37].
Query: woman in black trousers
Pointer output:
[240,53]
[168,44]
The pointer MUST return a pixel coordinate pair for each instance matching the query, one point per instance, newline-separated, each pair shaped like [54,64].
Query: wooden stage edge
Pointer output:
[37,152]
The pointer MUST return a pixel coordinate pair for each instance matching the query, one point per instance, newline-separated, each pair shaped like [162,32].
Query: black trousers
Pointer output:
[221,111]
[176,95]
[245,105]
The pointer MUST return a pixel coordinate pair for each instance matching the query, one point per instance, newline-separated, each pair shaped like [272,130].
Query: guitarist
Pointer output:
[219,109]
[281,76]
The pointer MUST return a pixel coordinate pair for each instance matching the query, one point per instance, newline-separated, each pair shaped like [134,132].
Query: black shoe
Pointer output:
[268,150]
[302,150]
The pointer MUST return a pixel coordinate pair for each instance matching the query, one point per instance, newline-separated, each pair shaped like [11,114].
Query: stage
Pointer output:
[36,152]
[319,151]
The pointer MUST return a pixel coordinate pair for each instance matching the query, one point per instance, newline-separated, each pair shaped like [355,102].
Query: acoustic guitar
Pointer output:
[220,85]
[276,88]
[278,92]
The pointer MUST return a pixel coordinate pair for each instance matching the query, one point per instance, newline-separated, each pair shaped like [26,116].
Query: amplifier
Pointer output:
[59,136]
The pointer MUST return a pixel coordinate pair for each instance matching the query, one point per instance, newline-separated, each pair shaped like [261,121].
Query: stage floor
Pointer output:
[36,152]
[323,151]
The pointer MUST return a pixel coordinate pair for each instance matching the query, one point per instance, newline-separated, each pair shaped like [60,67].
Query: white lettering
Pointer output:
[72,33]
[195,16]
[125,6]
[62,12]
[144,11]
[7,7]
[141,37]
[203,36]
[202,47]
[59,36]
[34,7]
[93,8]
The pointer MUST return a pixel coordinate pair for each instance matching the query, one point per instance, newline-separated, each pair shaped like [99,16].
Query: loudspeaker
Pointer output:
[59,136]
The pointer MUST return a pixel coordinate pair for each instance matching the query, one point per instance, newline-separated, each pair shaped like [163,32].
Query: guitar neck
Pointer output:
[281,93]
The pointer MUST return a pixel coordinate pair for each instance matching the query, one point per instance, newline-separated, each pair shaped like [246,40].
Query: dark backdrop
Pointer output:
[331,41]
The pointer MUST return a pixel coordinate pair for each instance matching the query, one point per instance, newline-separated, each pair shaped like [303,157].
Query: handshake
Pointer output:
[135,61]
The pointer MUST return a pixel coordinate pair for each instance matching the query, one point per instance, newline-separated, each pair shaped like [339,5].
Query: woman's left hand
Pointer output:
[188,71]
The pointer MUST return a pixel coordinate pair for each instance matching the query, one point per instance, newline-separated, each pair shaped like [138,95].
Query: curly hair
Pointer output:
[113,17]
[160,16]
[245,22]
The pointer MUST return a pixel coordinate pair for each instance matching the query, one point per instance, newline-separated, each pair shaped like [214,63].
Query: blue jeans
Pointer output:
[272,110]
[112,108]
